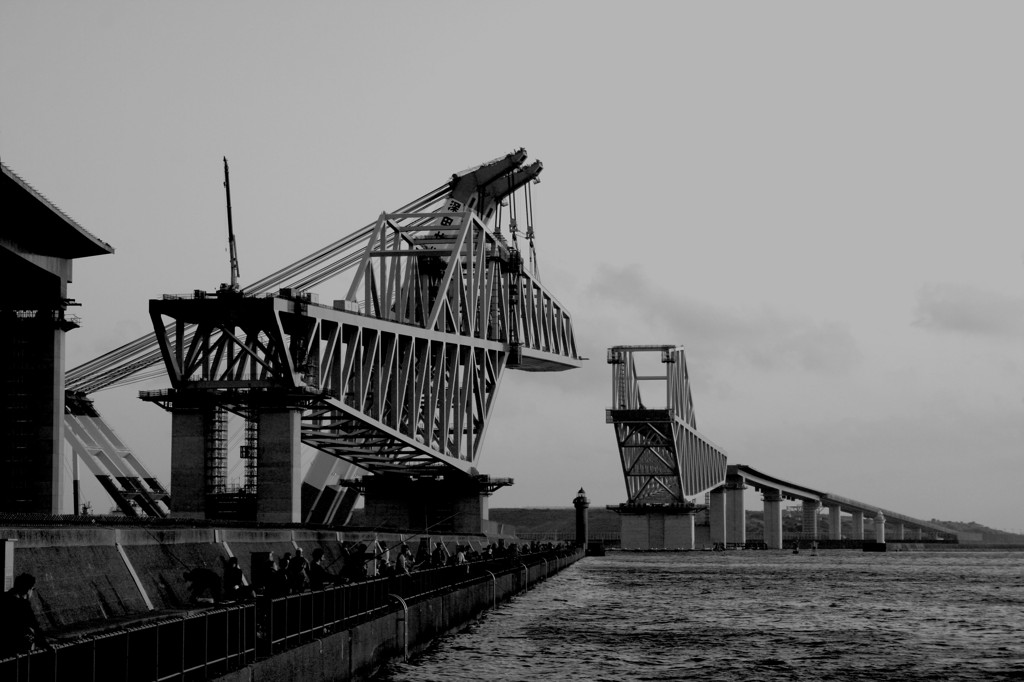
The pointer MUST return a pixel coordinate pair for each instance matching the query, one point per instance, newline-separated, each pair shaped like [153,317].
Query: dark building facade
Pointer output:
[38,243]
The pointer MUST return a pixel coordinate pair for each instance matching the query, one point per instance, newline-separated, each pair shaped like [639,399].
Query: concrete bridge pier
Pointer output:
[736,512]
[857,525]
[835,522]
[188,463]
[279,466]
[880,527]
[718,514]
[440,505]
[772,517]
[668,526]
[809,527]
[900,531]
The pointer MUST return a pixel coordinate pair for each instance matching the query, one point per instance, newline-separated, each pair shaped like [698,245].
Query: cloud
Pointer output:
[764,339]
[959,308]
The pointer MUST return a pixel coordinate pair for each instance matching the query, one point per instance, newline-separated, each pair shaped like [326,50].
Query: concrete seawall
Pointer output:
[358,652]
[88,577]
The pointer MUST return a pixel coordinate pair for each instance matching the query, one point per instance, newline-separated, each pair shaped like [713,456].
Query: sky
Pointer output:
[820,201]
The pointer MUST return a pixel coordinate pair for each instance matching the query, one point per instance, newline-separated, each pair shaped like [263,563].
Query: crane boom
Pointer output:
[231,230]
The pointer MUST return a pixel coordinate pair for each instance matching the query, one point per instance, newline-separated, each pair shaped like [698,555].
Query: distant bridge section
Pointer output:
[728,515]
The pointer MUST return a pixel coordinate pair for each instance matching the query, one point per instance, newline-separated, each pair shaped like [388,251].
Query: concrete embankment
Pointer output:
[90,576]
[358,652]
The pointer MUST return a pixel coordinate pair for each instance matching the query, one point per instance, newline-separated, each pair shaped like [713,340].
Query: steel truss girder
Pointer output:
[448,273]
[664,458]
[382,395]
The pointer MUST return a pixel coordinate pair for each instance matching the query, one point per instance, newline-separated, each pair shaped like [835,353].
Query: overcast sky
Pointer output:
[822,202]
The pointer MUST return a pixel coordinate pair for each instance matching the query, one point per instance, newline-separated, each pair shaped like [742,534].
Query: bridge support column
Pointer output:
[719,516]
[668,527]
[772,518]
[279,466]
[857,525]
[736,513]
[442,506]
[900,531]
[880,527]
[188,463]
[835,522]
[811,510]
[915,533]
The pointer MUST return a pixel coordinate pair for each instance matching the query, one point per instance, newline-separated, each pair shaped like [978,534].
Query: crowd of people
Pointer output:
[292,573]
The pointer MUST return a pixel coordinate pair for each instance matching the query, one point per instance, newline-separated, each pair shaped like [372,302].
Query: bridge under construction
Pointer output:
[392,385]
[667,464]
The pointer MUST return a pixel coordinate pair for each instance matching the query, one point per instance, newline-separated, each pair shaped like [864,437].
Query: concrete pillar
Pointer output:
[880,527]
[582,524]
[7,562]
[835,522]
[857,525]
[915,533]
[772,518]
[443,506]
[718,513]
[634,531]
[188,462]
[900,531]
[811,510]
[736,513]
[279,467]
[679,531]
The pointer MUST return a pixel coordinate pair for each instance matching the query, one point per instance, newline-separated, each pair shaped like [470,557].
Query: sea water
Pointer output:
[749,615]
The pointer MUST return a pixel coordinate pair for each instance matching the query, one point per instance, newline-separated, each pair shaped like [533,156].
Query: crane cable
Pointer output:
[528,196]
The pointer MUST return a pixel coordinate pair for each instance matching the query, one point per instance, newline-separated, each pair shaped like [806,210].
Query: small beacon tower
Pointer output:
[582,524]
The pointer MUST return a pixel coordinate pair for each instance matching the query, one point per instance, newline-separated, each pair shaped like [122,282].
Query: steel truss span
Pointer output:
[664,457]
[400,375]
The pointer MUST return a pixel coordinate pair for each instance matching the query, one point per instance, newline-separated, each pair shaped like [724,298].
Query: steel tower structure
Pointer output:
[398,377]
[664,457]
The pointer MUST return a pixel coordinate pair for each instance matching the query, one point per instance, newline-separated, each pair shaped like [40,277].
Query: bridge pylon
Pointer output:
[665,460]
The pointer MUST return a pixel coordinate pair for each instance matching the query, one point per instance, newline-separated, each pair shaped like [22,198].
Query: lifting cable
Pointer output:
[528,196]
[512,224]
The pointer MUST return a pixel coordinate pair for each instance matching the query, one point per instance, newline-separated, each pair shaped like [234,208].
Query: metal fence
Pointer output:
[219,640]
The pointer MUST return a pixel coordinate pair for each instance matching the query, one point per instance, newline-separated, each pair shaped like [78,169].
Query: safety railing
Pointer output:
[218,640]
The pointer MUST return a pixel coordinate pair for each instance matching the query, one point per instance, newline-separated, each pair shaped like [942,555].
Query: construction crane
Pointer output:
[437,266]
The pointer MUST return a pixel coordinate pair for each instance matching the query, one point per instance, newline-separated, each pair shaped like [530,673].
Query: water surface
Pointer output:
[750,615]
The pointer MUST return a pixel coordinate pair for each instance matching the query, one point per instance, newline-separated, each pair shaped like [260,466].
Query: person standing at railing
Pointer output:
[298,573]
[234,581]
[319,577]
[403,565]
[19,629]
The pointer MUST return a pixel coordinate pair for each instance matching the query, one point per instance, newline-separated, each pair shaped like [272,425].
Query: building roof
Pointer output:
[50,231]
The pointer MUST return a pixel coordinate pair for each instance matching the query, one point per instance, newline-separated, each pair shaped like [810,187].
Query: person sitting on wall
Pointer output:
[19,629]
[204,587]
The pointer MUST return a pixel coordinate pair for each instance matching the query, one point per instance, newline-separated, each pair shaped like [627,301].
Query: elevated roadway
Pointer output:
[728,515]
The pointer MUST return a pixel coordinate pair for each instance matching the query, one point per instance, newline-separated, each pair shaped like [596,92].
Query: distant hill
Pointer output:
[552,520]
[603,521]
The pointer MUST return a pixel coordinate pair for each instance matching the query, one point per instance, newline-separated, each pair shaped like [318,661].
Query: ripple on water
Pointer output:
[749,616]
